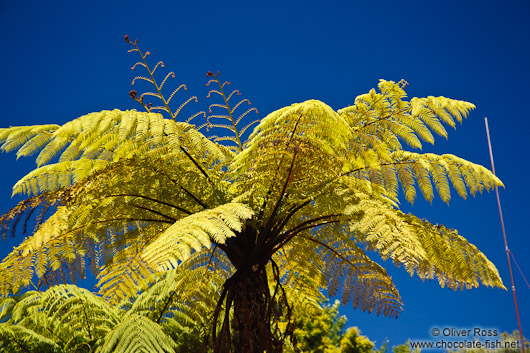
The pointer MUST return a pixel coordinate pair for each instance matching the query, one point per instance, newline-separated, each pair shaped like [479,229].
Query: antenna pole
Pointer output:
[505,241]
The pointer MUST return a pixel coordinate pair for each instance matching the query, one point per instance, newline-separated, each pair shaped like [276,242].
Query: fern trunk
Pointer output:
[250,307]
[252,319]
[248,329]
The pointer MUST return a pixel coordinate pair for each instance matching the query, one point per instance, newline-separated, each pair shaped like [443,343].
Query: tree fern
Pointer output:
[289,211]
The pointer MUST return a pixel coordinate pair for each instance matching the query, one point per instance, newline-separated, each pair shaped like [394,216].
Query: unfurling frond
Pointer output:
[228,110]
[158,87]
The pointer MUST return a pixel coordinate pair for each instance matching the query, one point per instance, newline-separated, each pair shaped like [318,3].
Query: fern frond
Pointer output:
[451,259]
[89,143]
[443,169]
[137,334]
[445,109]
[37,253]
[142,78]
[169,299]
[54,176]
[15,338]
[77,315]
[21,137]
[195,232]
[233,127]
[385,116]
[346,269]
[125,277]
[431,251]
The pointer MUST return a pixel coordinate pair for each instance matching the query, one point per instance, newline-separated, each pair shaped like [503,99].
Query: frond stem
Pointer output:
[151,199]
[173,116]
[166,305]
[335,252]
[195,198]
[269,191]
[283,238]
[268,226]
[238,139]
[290,214]
[385,117]
[19,343]
[154,81]
[196,164]
[155,212]
[323,186]
[86,318]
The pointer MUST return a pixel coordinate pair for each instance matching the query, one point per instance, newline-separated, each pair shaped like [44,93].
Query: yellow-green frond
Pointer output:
[137,334]
[384,118]
[311,119]
[77,315]
[54,176]
[194,232]
[15,338]
[346,270]
[431,251]
[431,109]
[44,251]
[451,259]
[106,136]
[28,139]
[443,170]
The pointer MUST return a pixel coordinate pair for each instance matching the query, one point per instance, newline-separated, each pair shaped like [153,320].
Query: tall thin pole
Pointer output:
[505,241]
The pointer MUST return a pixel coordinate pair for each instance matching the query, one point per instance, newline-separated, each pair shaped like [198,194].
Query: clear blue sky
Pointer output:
[61,60]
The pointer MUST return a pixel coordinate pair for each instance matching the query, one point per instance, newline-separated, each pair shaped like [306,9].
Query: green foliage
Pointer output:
[131,195]
[66,318]
[322,331]
[354,342]
[137,333]
[319,331]
[405,348]
[163,318]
